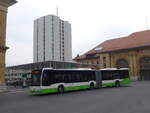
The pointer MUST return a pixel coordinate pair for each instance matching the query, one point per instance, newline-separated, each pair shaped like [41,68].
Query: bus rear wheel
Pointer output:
[60,89]
[117,84]
[91,85]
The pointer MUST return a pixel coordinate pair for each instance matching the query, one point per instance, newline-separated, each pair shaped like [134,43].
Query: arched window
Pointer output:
[121,63]
[145,62]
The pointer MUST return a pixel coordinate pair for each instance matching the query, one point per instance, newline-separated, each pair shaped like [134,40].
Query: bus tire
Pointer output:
[117,84]
[61,89]
[92,85]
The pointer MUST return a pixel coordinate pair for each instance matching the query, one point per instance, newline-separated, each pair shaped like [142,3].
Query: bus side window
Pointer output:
[76,76]
[116,76]
[89,74]
[83,76]
[67,76]
[92,75]
[73,76]
[47,78]
[58,76]
[107,75]
[124,74]
[104,75]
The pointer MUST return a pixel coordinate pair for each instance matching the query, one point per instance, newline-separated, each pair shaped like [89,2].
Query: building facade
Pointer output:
[52,39]
[4,4]
[132,51]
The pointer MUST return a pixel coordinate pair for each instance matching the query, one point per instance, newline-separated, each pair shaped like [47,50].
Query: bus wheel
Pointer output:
[92,85]
[61,89]
[117,84]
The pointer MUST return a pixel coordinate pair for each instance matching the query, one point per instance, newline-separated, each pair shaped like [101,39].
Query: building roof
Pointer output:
[135,40]
[9,2]
[13,2]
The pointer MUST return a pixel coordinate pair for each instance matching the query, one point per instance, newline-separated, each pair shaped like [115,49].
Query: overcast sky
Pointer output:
[93,21]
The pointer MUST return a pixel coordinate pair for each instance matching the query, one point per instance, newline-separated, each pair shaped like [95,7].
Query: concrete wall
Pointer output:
[67,42]
[48,38]
[56,39]
[35,40]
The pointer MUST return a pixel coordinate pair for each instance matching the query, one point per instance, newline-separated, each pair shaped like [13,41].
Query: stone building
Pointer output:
[132,51]
[4,4]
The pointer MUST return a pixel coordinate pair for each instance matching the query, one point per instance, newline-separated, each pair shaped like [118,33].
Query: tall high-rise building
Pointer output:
[52,39]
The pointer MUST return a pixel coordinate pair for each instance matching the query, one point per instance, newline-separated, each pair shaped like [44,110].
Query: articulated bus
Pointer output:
[48,80]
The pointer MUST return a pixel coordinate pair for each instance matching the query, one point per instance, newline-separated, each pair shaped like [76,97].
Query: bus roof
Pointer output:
[68,69]
[109,69]
[87,69]
[123,68]
[114,69]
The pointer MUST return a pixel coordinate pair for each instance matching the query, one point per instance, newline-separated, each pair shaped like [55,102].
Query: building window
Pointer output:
[97,62]
[145,62]
[104,65]
[104,62]
[121,63]
[104,59]
[92,62]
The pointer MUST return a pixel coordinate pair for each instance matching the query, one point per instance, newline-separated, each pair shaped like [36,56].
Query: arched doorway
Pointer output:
[145,68]
[122,63]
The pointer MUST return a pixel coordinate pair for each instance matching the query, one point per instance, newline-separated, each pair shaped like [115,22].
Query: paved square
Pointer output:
[134,98]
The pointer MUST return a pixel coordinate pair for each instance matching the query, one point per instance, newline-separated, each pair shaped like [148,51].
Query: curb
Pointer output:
[4,91]
[12,91]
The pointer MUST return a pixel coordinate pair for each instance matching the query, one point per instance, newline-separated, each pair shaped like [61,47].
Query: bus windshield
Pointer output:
[35,78]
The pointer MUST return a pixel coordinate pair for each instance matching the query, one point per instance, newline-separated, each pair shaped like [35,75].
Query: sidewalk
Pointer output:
[2,88]
[13,89]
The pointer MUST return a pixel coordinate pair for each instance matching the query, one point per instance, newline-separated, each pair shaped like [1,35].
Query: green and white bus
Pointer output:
[114,77]
[48,80]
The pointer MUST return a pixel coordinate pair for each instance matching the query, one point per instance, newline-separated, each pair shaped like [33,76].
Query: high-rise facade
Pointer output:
[52,39]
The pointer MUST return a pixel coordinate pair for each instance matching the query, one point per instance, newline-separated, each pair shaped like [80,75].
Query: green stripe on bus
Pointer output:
[53,90]
[108,84]
[125,81]
[122,82]
[77,87]
[44,91]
